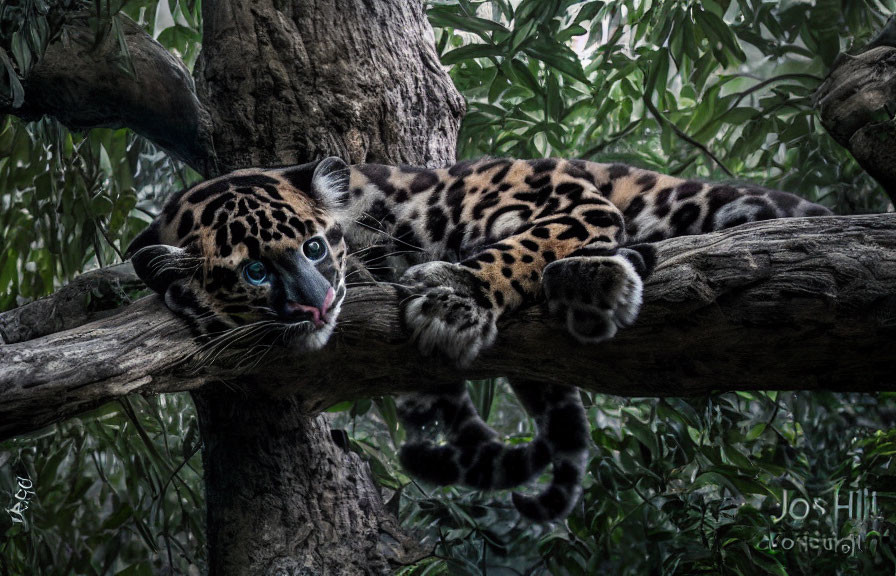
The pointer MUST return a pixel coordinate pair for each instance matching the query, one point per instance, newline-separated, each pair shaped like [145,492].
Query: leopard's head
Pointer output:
[256,256]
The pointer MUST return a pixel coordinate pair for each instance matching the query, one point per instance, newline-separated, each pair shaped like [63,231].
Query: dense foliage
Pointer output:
[73,201]
[711,88]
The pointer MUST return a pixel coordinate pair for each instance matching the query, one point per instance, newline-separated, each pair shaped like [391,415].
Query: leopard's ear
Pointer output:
[329,183]
[326,181]
[160,265]
[157,264]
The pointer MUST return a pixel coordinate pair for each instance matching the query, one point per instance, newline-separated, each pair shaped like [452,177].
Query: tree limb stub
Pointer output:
[87,86]
[855,104]
[88,297]
[785,304]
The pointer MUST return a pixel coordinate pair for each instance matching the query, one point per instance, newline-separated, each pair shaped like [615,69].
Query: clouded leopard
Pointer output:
[268,248]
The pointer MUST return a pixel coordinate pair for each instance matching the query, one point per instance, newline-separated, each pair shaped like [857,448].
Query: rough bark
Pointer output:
[286,82]
[86,298]
[787,304]
[289,535]
[84,85]
[856,103]
[290,81]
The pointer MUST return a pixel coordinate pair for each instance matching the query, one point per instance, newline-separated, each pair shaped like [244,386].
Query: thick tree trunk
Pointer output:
[288,82]
[806,303]
[316,509]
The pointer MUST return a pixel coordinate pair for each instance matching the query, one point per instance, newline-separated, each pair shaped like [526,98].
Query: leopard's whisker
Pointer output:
[410,297]
[213,349]
[234,341]
[387,235]
[378,283]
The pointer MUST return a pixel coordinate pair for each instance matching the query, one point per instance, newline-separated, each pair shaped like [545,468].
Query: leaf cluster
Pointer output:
[711,88]
[674,486]
[72,201]
[116,491]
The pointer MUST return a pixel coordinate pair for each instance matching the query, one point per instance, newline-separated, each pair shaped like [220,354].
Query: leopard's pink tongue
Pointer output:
[328,301]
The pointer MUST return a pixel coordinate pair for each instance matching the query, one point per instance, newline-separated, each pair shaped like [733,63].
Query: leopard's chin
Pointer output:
[315,339]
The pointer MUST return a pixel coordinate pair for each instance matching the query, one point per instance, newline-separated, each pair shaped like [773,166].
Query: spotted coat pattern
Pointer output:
[261,255]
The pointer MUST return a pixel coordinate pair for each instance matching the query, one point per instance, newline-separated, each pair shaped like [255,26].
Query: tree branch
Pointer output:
[683,135]
[88,297]
[84,85]
[856,104]
[760,85]
[804,303]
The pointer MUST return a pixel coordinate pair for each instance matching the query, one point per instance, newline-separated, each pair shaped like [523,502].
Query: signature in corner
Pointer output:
[24,493]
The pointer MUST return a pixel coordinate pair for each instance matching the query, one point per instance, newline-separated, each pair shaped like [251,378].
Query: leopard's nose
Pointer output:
[318,314]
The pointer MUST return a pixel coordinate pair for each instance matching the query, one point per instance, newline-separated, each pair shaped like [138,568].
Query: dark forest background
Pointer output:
[715,89]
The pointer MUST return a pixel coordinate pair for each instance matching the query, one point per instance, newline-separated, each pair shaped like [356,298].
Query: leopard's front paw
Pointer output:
[443,315]
[593,295]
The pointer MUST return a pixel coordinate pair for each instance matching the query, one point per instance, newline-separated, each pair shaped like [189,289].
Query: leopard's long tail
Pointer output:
[449,443]
[563,426]
[470,452]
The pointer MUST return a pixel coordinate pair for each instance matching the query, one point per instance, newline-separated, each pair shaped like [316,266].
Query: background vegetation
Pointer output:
[717,89]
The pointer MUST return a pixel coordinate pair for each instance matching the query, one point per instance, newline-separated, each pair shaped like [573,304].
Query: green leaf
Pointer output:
[483,394]
[389,413]
[470,51]
[341,406]
[561,58]
[767,562]
[361,407]
[554,101]
[100,205]
[520,34]
[522,74]
[445,16]
[18,92]
[657,75]
[755,431]
[21,52]
[716,30]
[163,20]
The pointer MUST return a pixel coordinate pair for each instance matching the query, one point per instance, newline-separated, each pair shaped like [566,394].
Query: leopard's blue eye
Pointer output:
[314,249]
[255,273]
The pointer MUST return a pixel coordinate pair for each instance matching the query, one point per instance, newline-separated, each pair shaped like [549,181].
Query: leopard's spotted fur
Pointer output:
[239,255]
